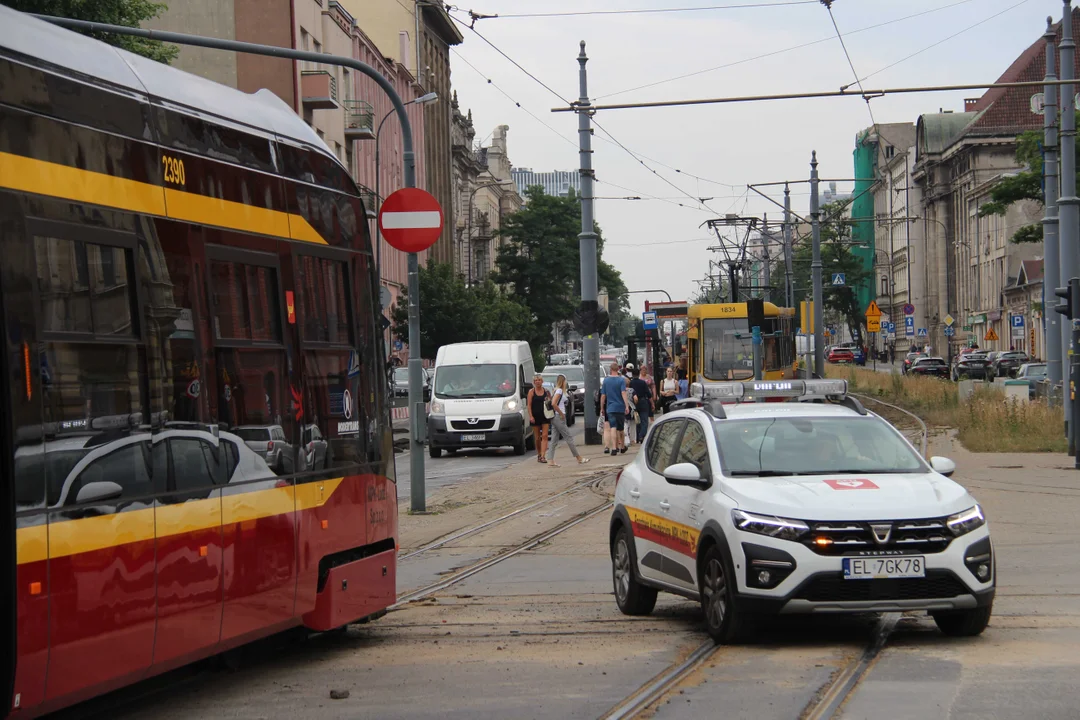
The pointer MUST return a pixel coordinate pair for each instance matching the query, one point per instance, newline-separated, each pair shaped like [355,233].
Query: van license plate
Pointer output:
[472,438]
[872,568]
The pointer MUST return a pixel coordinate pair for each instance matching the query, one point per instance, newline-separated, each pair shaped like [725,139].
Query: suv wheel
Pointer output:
[963,623]
[724,622]
[631,596]
[434,451]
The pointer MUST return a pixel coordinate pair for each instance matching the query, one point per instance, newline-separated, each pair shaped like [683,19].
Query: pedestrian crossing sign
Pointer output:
[990,336]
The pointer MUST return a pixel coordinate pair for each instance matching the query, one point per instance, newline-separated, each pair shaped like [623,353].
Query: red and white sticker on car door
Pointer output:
[851,484]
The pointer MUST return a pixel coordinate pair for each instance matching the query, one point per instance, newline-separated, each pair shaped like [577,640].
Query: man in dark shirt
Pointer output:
[613,400]
[642,398]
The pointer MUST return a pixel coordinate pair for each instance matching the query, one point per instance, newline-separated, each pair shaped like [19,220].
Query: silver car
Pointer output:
[269,443]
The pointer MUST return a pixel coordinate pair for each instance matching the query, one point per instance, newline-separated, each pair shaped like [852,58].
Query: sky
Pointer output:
[719,149]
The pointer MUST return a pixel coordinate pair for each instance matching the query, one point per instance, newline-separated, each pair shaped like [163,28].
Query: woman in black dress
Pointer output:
[537,396]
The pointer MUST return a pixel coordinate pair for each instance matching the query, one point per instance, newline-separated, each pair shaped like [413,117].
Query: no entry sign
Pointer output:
[411,220]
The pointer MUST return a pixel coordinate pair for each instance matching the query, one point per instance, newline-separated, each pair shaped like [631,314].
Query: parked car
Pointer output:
[559,359]
[931,366]
[269,443]
[1005,364]
[969,365]
[908,360]
[857,351]
[1034,373]
[314,450]
[841,355]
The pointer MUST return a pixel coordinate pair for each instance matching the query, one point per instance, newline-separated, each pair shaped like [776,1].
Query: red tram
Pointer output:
[194,420]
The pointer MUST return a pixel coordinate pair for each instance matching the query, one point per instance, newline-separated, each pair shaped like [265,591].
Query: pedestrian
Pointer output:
[669,388]
[539,404]
[631,409]
[643,399]
[559,430]
[613,402]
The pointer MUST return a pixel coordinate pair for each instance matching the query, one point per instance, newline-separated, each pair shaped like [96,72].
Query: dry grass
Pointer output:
[986,422]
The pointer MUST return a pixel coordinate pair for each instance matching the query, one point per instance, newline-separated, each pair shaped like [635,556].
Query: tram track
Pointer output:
[923,431]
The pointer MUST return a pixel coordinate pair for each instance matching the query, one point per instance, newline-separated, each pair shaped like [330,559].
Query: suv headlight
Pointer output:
[511,405]
[964,522]
[777,527]
[436,407]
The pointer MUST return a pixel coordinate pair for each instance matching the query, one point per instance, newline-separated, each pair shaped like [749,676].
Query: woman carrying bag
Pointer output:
[539,403]
[669,388]
[559,430]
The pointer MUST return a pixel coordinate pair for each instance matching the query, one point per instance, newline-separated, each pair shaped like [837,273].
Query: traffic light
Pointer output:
[1065,308]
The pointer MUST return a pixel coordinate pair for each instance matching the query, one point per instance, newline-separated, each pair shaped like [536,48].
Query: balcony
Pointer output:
[359,120]
[318,89]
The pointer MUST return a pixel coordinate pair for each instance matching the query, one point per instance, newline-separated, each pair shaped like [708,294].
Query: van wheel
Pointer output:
[434,451]
[519,447]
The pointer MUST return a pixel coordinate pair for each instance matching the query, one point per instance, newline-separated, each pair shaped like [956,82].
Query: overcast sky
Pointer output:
[658,244]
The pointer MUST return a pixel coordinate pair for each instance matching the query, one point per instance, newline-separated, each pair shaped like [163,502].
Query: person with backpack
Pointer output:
[613,405]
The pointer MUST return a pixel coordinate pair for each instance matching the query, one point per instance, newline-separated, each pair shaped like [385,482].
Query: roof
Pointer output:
[935,132]
[95,61]
[1029,273]
[1008,111]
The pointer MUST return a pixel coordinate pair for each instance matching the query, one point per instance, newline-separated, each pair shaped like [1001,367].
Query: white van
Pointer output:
[478,397]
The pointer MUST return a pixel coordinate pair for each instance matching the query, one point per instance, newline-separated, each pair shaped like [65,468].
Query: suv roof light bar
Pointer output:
[753,390]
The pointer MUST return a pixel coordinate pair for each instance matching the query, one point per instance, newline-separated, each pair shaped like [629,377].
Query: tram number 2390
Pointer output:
[174,170]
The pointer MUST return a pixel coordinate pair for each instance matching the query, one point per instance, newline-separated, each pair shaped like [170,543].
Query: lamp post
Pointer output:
[431,97]
[468,227]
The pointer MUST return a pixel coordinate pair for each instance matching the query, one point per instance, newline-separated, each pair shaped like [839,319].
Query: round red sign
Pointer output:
[411,220]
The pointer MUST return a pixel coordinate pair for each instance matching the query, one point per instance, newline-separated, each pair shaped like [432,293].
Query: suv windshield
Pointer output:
[818,446]
[475,381]
[574,375]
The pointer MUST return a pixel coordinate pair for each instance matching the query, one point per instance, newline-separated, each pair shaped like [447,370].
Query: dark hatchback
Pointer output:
[931,366]
[970,365]
[1007,363]
[908,360]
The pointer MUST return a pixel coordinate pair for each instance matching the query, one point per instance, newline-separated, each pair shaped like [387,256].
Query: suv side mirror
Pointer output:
[99,492]
[685,474]
[943,465]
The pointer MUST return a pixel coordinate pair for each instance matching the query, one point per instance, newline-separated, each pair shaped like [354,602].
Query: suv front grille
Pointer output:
[832,587]
[906,537]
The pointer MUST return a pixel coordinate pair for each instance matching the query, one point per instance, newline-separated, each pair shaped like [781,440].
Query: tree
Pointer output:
[1024,185]
[540,261]
[836,257]
[130,13]
[451,312]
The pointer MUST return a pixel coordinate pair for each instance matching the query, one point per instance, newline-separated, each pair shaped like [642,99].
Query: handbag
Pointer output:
[549,412]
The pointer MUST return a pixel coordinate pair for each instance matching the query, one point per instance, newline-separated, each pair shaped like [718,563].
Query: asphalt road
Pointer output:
[467,464]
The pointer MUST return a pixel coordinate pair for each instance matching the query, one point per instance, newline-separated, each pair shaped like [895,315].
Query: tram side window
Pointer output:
[127,466]
[337,421]
[83,287]
[323,300]
[197,467]
[245,302]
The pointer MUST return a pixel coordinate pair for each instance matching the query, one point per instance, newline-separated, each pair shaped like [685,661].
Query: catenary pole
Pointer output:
[789,292]
[1051,273]
[587,251]
[1068,203]
[416,384]
[815,269]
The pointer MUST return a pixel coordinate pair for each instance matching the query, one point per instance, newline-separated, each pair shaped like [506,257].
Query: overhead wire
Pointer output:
[507,96]
[840,37]
[780,52]
[637,11]
[611,137]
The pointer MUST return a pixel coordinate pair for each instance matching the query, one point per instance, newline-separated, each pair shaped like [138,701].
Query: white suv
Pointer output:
[767,507]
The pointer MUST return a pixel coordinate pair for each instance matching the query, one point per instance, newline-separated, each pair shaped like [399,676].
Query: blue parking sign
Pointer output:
[1018,321]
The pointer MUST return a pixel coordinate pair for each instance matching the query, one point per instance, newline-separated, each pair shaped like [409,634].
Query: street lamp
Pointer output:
[428,99]
[468,228]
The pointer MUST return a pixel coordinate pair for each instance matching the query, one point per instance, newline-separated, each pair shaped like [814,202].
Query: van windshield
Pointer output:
[475,381]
